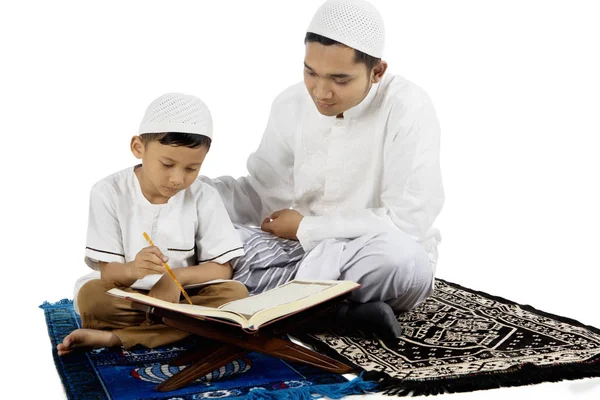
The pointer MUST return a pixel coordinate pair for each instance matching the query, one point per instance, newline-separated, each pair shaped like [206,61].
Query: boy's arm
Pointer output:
[104,243]
[116,272]
[147,261]
[166,289]
[203,273]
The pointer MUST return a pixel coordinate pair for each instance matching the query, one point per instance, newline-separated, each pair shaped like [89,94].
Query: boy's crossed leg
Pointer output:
[108,321]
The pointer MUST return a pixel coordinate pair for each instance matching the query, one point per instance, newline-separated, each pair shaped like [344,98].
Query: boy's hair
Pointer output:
[191,140]
[359,56]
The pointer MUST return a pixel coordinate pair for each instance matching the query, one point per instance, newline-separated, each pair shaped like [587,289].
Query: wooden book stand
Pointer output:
[226,343]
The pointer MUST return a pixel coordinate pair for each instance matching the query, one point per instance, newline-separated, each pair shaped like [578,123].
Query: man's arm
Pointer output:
[242,202]
[269,185]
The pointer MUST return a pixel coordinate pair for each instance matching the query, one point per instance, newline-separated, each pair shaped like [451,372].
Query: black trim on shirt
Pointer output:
[106,252]
[221,255]
[181,249]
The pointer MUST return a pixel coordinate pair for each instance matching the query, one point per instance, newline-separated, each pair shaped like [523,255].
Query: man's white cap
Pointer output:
[177,112]
[355,23]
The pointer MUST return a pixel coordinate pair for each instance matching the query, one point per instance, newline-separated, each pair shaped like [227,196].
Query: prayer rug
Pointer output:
[133,374]
[462,340]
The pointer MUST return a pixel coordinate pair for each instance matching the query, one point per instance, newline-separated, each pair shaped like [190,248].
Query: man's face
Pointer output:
[167,169]
[333,79]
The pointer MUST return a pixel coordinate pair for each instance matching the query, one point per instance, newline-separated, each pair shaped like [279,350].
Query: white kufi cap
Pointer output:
[355,23]
[177,112]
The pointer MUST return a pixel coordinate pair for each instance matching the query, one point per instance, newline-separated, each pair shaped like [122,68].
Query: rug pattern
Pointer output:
[133,374]
[462,340]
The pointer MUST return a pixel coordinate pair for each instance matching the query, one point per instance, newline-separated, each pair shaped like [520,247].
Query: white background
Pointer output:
[516,86]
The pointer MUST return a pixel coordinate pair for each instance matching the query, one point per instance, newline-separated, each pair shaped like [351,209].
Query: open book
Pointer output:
[262,309]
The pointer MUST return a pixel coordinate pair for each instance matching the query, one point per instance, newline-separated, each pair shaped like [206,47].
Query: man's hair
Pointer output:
[191,140]
[359,56]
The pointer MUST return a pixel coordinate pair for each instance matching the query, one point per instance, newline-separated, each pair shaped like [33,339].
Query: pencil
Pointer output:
[171,273]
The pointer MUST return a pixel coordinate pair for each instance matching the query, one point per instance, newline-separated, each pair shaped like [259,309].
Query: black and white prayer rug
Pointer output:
[462,340]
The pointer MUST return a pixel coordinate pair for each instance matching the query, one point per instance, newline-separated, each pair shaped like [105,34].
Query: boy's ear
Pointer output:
[378,71]
[137,147]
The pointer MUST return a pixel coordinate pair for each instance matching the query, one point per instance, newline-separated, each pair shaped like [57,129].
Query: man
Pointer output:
[349,167]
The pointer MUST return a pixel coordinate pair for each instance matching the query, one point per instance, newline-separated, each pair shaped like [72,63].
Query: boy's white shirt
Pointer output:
[375,169]
[193,220]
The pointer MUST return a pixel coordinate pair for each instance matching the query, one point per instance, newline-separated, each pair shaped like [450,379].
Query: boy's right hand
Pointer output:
[147,262]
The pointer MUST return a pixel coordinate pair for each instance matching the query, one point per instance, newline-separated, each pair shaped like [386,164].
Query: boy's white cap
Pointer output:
[355,23]
[177,112]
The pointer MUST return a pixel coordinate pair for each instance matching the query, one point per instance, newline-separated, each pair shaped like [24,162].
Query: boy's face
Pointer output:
[167,169]
[333,79]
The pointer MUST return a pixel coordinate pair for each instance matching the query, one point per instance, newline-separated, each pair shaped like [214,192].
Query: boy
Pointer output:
[184,216]
[349,167]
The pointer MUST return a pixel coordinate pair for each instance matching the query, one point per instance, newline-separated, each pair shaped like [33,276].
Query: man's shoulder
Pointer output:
[396,89]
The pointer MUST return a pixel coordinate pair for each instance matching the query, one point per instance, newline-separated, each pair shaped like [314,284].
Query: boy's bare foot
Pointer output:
[87,339]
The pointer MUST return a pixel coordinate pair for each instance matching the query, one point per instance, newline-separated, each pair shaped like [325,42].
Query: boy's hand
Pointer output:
[148,261]
[283,223]
[166,289]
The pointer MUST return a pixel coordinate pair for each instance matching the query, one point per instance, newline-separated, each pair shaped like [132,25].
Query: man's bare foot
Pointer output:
[87,339]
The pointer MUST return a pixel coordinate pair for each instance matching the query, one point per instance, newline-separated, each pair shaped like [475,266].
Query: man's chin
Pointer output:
[328,112]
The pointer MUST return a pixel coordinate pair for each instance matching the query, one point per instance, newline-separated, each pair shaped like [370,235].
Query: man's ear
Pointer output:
[378,71]
[137,147]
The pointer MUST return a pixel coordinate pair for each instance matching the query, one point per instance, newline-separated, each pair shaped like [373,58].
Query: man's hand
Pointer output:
[283,223]
[148,261]
[166,289]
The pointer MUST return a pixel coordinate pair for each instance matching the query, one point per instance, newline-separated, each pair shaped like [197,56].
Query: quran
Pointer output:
[253,312]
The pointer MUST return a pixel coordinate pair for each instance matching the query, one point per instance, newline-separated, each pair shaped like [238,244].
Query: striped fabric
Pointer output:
[269,261]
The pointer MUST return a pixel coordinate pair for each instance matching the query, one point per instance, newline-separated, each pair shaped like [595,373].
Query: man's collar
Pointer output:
[361,107]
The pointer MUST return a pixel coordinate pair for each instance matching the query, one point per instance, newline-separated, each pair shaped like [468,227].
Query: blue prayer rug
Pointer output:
[134,374]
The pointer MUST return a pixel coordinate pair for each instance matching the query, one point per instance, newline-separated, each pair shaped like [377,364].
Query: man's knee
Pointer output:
[408,267]
[399,250]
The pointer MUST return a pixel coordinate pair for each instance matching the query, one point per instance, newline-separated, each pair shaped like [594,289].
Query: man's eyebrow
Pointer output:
[307,66]
[338,76]
[175,162]
[342,76]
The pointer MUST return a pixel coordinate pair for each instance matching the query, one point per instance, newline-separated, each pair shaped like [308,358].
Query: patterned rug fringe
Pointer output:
[335,391]
[58,304]
[527,374]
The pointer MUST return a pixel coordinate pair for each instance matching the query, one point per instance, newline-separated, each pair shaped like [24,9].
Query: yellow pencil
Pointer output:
[171,273]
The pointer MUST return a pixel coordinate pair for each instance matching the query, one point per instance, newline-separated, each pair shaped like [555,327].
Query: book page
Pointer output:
[288,293]
[192,310]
